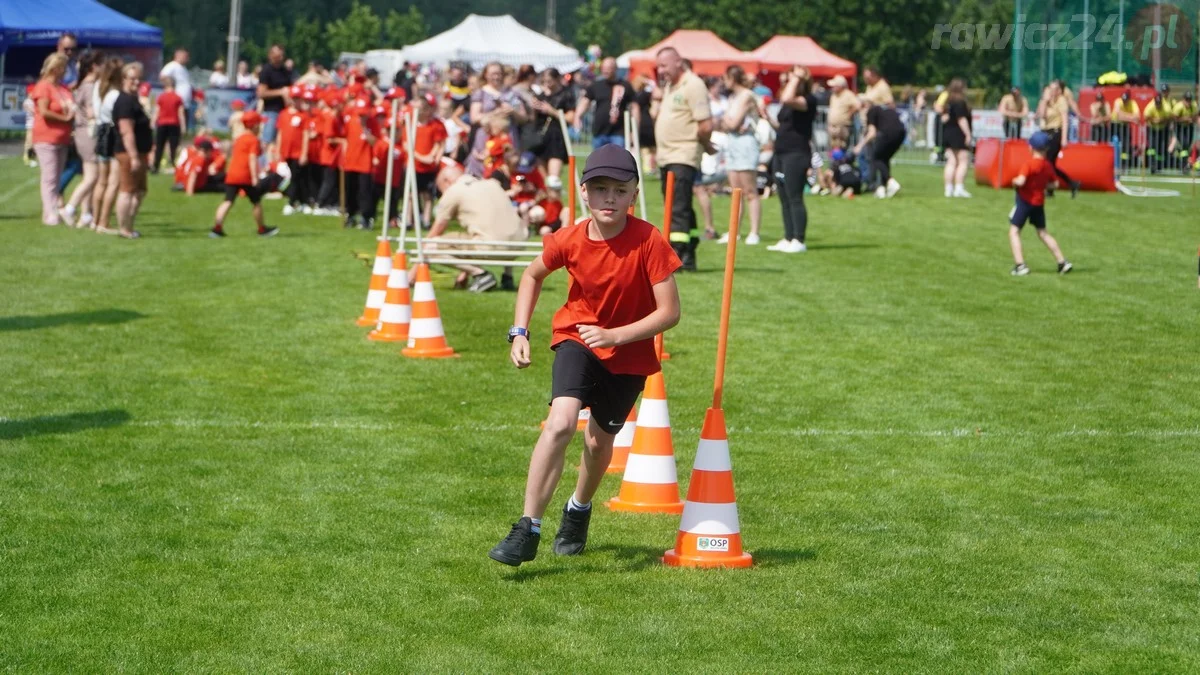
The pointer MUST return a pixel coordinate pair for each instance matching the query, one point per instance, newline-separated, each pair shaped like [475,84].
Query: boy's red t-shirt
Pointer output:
[429,134]
[291,133]
[169,104]
[1038,173]
[239,161]
[358,145]
[612,285]
[379,158]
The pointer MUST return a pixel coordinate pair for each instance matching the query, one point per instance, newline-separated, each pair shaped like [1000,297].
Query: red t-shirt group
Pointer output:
[612,285]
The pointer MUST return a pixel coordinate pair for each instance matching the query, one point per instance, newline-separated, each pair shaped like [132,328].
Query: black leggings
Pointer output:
[885,147]
[791,173]
[1052,153]
[167,134]
[298,188]
[328,194]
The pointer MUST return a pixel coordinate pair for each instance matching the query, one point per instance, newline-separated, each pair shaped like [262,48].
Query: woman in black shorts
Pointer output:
[553,150]
[956,138]
[644,122]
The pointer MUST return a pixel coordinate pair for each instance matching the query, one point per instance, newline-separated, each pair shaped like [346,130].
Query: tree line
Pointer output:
[896,36]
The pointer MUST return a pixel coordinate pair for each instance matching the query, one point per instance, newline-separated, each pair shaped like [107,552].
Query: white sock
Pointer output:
[70,209]
[574,505]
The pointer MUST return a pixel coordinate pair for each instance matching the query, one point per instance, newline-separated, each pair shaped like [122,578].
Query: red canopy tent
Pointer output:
[709,54]
[782,52]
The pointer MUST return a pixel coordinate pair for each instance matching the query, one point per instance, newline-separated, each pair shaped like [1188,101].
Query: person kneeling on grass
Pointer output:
[243,168]
[1031,184]
[622,294]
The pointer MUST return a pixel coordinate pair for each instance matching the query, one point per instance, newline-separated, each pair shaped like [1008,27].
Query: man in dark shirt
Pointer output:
[273,83]
[612,97]
[404,80]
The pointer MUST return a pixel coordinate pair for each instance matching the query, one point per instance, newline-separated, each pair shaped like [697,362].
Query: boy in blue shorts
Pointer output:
[1031,185]
[622,293]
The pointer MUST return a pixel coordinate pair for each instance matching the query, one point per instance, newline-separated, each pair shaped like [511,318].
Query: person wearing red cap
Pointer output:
[622,294]
[292,125]
[428,148]
[379,163]
[333,139]
[311,169]
[360,141]
[242,176]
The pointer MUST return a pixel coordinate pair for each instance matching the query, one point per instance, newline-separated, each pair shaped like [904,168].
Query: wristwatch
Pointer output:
[514,331]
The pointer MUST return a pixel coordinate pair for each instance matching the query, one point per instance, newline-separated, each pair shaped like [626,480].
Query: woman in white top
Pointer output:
[740,121]
[245,80]
[104,96]
[219,77]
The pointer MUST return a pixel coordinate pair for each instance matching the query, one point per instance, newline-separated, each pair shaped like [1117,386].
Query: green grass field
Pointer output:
[205,466]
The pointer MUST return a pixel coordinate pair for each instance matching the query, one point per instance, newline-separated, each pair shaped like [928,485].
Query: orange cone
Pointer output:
[709,534]
[426,337]
[650,484]
[377,291]
[622,443]
[397,309]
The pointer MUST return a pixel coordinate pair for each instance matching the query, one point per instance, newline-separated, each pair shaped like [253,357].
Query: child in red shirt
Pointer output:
[549,218]
[429,146]
[357,164]
[1031,184]
[292,131]
[622,293]
[242,177]
[379,164]
[498,142]
[333,139]
[169,124]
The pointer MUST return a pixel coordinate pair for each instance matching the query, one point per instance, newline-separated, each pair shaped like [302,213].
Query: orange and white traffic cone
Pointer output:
[709,533]
[622,443]
[650,484]
[377,291]
[426,337]
[397,307]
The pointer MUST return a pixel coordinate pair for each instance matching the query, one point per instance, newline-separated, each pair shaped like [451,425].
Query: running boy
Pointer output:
[1031,185]
[241,177]
[622,294]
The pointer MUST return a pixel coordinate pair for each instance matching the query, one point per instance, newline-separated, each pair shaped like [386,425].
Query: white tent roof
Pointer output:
[480,39]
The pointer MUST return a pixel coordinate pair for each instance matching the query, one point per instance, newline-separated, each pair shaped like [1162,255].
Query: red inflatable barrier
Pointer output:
[998,161]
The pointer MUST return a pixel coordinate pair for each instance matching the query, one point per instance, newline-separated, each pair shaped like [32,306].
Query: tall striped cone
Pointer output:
[426,337]
[397,307]
[377,291]
[622,444]
[650,484]
[709,534]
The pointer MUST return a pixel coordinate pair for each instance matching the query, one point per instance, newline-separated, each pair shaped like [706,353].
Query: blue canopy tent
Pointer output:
[39,23]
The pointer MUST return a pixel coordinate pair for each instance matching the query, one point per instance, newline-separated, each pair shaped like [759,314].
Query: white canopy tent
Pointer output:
[481,39]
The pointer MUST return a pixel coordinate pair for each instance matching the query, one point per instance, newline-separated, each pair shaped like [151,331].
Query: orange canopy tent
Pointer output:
[782,52]
[709,54]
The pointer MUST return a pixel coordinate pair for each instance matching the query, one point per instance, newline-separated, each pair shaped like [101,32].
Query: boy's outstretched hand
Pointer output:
[520,352]
[595,336]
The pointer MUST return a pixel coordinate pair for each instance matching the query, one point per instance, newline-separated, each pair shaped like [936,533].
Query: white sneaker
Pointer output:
[307,210]
[960,191]
[752,239]
[949,191]
[724,239]
[288,210]
[86,220]
[795,246]
[892,187]
[67,214]
[881,192]
[781,245]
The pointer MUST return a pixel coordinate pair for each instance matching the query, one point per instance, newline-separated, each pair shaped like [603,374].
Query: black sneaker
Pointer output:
[1020,270]
[1065,266]
[368,224]
[572,532]
[269,232]
[519,546]
[1075,188]
[507,283]
[482,282]
[349,223]
[215,233]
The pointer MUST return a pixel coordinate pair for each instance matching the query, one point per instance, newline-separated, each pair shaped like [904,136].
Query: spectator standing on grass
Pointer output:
[842,106]
[68,46]
[1159,113]
[878,92]
[793,156]
[1014,108]
[884,136]
[244,79]
[1054,112]
[611,96]
[554,150]
[108,180]
[683,130]
[740,123]
[177,71]
[170,124]
[643,88]
[273,87]
[956,138]
[83,138]
[134,142]
[1186,113]
[1099,113]
[219,78]
[53,122]
[493,100]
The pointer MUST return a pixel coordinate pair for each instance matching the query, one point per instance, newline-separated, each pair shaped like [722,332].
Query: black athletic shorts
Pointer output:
[579,374]
[1024,211]
[426,182]
[253,192]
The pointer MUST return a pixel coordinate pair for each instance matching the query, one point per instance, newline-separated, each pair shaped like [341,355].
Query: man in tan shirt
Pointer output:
[842,106]
[682,131]
[879,92]
[483,209]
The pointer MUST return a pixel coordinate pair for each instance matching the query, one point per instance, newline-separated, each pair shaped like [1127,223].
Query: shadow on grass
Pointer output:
[100,317]
[628,559]
[773,557]
[70,423]
[834,247]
